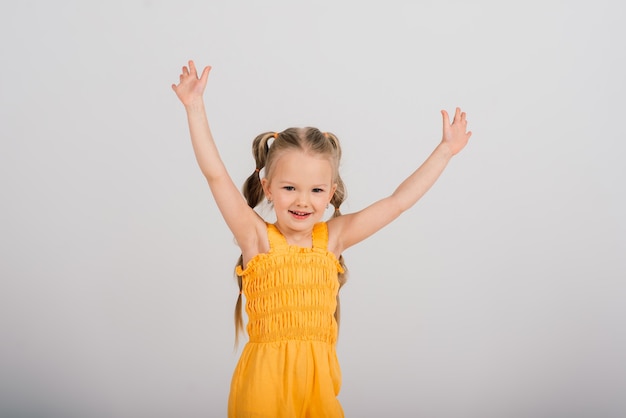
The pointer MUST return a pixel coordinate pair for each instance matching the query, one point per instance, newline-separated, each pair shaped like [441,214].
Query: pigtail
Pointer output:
[238,305]
[253,192]
[338,198]
[336,201]
[334,141]
[252,189]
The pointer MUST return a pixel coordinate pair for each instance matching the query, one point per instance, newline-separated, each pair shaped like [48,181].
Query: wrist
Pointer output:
[444,150]
[194,106]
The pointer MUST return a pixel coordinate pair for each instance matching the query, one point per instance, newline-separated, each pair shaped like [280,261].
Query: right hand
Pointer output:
[190,88]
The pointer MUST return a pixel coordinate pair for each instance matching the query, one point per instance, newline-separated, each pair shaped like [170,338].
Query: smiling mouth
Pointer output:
[299,214]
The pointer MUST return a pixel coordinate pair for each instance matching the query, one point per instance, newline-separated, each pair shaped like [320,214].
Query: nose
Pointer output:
[303,199]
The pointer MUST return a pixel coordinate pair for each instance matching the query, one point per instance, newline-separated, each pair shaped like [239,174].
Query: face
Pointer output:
[300,188]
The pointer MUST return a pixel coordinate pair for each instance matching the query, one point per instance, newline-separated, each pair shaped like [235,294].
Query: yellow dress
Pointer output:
[289,366]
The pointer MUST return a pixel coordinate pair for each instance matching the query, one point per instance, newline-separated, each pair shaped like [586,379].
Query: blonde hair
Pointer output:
[309,140]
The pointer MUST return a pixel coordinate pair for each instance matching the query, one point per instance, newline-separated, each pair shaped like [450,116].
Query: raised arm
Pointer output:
[240,218]
[348,230]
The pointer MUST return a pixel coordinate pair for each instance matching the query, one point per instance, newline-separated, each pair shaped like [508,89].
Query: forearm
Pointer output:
[204,147]
[226,194]
[422,179]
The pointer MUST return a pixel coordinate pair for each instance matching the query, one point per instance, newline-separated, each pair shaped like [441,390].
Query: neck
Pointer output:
[297,238]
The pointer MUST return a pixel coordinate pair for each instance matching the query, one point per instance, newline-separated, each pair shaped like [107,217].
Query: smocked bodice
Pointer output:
[291,291]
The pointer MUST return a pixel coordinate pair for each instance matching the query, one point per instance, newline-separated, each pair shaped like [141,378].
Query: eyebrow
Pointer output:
[293,182]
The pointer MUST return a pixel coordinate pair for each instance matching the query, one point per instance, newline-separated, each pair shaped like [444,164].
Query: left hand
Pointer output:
[455,134]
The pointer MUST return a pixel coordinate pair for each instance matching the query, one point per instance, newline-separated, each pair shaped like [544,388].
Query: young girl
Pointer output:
[290,272]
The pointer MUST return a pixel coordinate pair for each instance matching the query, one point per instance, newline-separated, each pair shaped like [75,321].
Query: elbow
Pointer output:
[213,179]
[397,206]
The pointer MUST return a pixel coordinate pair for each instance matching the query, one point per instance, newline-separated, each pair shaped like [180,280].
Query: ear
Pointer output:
[332,192]
[266,188]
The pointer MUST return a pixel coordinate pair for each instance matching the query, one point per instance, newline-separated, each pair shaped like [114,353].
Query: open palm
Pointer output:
[191,87]
[455,134]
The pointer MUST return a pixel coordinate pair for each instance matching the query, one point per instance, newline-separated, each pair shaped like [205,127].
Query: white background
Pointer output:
[500,294]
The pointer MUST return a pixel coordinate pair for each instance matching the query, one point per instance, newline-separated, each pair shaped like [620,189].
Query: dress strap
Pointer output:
[276,239]
[320,236]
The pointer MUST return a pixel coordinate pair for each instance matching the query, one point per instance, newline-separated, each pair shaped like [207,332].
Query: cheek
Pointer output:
[322,199]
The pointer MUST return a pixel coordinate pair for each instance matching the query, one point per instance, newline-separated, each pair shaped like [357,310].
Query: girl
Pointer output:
[290,272]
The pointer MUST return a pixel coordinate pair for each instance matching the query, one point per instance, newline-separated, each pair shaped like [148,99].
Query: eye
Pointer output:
[289,188]
[318,190]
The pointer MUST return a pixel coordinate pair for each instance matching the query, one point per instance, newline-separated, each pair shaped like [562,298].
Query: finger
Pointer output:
[457,114]
[205,74]
[192,69]
[185,71]
[446,119]
[174,87]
